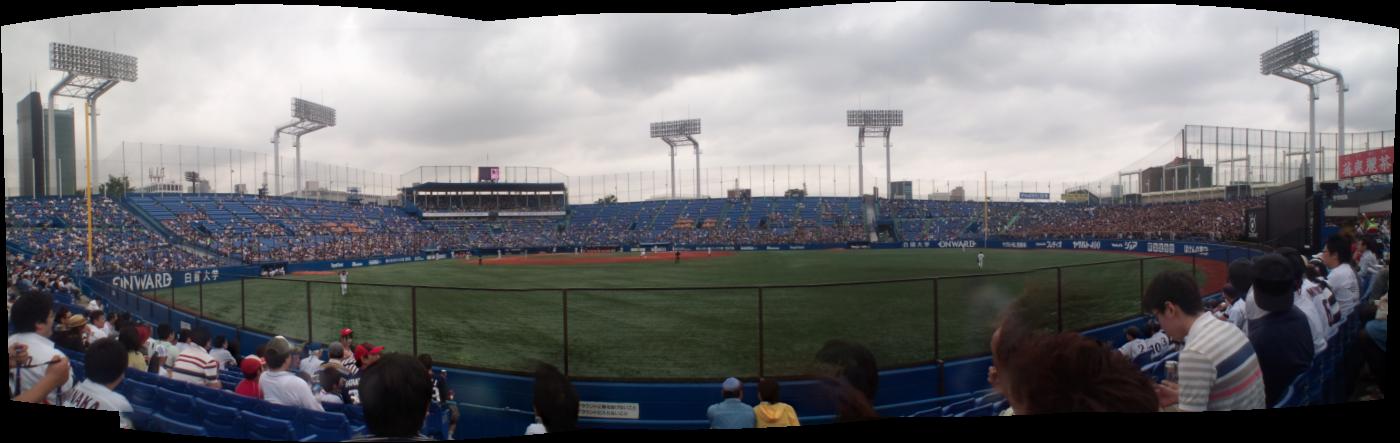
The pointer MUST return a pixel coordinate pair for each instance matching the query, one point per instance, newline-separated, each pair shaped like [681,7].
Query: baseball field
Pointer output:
[704,316]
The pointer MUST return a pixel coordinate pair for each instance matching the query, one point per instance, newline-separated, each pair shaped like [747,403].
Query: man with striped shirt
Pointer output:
[195,365]
[1218,370]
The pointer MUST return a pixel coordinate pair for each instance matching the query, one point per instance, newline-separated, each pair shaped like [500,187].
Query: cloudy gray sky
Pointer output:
[1028,92]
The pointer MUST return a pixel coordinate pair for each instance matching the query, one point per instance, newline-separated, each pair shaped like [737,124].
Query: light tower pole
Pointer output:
[1296,60]
[88,74]
[679,133]
[308,117]
[873,123]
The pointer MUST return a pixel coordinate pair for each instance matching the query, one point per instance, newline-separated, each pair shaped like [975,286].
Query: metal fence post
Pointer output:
[760,331]
[201,300]
[1059,300]
[170,310]
[936,350]
[243,303]
[413,311]
[308,312]
[565,296]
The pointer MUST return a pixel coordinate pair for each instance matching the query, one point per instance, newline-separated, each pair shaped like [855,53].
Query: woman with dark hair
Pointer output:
[851,404]
[556,402]
[852,362]
[1068,372]
[131,341]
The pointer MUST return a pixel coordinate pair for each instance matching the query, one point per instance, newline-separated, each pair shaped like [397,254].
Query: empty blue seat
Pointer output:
[277,411]
[326,426]
[259,427]
[959,407]
[172,384]
[176,405]
[220,421]
[240,402]
[174,426]
[986,410]
[206,393]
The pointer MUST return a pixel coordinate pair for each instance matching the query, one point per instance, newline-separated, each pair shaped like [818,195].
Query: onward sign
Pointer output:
[162,280]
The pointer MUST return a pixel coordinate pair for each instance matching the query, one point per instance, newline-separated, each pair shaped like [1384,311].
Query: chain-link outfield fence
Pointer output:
[684,333]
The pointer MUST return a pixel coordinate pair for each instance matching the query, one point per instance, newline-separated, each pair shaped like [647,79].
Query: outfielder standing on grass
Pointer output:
[344,282]
[678,257]
[980,257]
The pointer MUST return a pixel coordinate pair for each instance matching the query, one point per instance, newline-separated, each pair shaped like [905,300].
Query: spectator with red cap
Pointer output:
[252,368]
[366,354]
[347,342]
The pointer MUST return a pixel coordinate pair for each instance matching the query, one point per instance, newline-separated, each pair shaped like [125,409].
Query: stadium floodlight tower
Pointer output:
[310,117]
[88,73]
[679,133]
[874,123]
[1296,60]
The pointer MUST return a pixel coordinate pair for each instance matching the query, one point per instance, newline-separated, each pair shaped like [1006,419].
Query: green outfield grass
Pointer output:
[689,333]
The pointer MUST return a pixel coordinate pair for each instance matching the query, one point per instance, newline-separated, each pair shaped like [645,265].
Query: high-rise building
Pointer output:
[42,172]
[65,151]
[32,163]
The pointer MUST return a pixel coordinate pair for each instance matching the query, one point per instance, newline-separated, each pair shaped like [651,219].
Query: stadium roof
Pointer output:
[488,187]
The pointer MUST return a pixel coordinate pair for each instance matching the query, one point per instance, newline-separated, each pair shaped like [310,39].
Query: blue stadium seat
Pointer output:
[177,406]
[220,421]
[259,427]
[174,426]
[986,410]
[206,393]
[333,407]
[240,402]
[79,370]
[435,425]
[173,385]
[356,415]
[959,407]
[326,426]
[282,412]
[1142,359]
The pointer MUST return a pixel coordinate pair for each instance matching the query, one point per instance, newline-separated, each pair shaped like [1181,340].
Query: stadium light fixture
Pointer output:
[1295,60]
[679,133]
[309,117]
[873,123]
[88,73]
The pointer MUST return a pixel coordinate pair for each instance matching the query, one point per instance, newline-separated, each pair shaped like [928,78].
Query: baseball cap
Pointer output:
[1241,274]
[250,366]
[346,332]
[367,349]
[732,384]
[1273,283]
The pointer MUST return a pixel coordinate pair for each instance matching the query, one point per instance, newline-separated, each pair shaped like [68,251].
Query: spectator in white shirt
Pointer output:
[221,354]
[106,368]
[312,362]
[96,328]
[195,365]
[1340,277]
[331,383]
[1135,346]
[33,355]
[280,386]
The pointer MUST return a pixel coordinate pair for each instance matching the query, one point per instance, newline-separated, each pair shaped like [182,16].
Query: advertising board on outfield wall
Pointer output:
[175,279]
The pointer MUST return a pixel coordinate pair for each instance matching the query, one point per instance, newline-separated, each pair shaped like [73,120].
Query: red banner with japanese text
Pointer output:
[1361,164]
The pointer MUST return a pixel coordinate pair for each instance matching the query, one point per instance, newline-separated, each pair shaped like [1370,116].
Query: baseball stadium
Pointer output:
[647,292]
